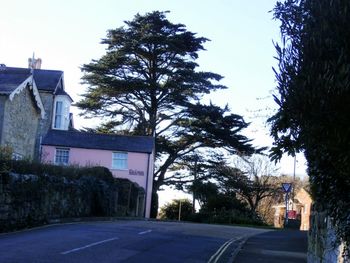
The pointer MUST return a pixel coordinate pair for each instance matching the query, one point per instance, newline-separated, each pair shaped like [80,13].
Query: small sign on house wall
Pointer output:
[136,172]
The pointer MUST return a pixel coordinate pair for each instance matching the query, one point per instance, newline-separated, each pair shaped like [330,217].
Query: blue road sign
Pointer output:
[287,187]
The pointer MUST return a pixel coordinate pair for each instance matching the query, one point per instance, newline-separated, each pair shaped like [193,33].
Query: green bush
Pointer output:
[233,215]
[5,153]
[69,172]
[171,210]
[223,216]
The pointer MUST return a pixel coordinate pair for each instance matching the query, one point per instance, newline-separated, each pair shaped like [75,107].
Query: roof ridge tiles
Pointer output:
[19,68]
[104,134]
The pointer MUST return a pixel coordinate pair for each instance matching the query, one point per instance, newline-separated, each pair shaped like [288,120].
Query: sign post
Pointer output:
[179,219]
[286,188]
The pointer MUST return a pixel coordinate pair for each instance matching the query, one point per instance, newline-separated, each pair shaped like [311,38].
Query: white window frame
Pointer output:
[58,118]
[60,115]
[61,151]
[123,158]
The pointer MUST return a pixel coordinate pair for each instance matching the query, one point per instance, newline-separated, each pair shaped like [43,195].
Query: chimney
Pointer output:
[34,63]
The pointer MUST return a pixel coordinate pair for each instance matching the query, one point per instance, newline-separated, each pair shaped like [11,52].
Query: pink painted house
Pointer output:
[36,99]
[129,157]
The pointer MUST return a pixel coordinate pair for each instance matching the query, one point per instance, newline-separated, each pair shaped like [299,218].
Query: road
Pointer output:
[287,246]
[123,241]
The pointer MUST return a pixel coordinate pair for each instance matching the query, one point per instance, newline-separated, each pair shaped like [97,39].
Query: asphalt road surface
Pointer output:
[124,241]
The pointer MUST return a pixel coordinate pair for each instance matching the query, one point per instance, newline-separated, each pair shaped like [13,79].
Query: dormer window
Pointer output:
[58,115]
[61,116]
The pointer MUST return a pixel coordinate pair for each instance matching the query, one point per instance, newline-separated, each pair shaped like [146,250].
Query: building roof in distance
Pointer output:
[111,142]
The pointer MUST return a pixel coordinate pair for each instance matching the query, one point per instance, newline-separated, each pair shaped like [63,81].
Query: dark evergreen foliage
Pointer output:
[314,99]
[147,84]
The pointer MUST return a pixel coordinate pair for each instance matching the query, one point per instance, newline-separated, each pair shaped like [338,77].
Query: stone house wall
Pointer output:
[3,99]
[305,200]
[44,125]
[302,206]
[20,123]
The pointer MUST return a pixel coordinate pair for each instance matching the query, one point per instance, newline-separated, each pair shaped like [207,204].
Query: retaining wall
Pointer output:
[322,243]
[28,200]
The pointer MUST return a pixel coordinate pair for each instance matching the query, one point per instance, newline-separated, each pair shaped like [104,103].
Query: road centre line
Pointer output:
[214,258]
[224,249]
[145,232]
[89,245]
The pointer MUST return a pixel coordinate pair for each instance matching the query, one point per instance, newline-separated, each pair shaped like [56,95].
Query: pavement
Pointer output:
[286,246]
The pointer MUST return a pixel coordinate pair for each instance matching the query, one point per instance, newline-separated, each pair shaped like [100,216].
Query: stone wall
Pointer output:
[21,118]
[29,200]
[322,243]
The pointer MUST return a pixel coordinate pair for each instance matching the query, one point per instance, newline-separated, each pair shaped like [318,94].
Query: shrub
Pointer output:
[5,153]
[171,210]
[229,217]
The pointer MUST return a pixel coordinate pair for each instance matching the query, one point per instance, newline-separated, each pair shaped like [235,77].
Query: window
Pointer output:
[120,160]
[58,115]
[62,156]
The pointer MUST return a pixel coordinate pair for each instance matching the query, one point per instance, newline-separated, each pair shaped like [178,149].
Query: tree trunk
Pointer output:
[154,204]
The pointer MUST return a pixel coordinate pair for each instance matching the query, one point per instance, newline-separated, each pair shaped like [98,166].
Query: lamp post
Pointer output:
[293,191]
[179,218]
[286,187]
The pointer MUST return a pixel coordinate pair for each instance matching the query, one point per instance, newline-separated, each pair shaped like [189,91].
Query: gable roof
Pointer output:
[75,139]
[30,84]
[11,78]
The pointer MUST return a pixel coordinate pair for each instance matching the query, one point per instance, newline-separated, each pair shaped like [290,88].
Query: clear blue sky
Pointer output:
[66,34]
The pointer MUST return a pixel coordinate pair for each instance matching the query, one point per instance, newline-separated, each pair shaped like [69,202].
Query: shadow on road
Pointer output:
[287,246]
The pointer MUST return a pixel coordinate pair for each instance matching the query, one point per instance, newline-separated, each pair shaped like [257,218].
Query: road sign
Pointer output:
[287,187]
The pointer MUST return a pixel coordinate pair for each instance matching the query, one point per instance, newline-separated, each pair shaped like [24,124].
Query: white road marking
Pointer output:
[145,232]
[89,245]
[215,258]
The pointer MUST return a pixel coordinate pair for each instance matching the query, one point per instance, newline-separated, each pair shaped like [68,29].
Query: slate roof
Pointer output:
[11,78]
[63,92]
[75,139]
